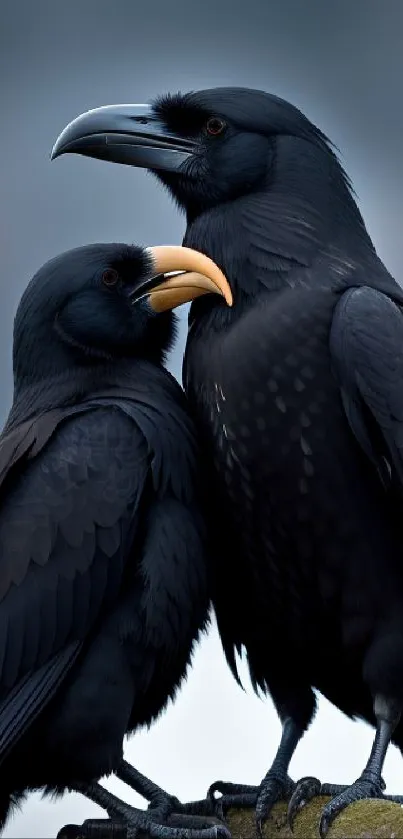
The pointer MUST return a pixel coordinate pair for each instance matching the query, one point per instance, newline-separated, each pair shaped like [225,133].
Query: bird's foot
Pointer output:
[162,803]
[304,791]
[366,786]
[274,787]
[137,823]
[231,795]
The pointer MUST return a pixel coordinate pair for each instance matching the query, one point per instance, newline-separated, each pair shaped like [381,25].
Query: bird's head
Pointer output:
[208,146]
[263,190]
[104,302]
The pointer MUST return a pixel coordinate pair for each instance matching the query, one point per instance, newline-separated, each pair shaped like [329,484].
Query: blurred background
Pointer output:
[342,64]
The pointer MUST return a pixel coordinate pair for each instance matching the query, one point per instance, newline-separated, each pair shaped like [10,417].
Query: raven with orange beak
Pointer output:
[104,536]
[298,389]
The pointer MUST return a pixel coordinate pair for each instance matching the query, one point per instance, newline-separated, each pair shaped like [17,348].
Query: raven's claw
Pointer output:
[138,823]
[232,795]
[367,786]
[273,788]
[305,789]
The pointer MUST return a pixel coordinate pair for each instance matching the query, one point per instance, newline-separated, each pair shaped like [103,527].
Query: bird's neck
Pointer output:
[39,354]
[271,239]
[48,374]
[66,388]
[304,229]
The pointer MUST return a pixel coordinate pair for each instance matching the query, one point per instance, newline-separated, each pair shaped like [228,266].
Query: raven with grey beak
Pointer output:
[298,389]
[104,542]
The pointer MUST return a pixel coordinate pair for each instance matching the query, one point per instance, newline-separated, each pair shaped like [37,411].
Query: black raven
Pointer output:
[103,541]
[299,392]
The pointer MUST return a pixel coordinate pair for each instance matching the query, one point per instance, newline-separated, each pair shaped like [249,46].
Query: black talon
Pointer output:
[227,789]
[216,787]
[365,787]
[232,795]
[306,789]
[274,788]
[159,821]
[370,784]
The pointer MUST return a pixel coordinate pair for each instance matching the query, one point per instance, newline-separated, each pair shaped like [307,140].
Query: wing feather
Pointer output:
[66,518]
[366,344]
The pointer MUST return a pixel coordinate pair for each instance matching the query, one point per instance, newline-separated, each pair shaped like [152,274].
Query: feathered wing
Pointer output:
[366,344]
[66,518]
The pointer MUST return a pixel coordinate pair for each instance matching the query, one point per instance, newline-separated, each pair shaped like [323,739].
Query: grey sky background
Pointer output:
[342,64]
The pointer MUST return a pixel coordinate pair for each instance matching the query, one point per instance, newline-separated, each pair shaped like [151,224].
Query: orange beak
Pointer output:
[194,274]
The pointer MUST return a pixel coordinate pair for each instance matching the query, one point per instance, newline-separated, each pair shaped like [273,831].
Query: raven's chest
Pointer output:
[266,388]
[285,460]
[305,511]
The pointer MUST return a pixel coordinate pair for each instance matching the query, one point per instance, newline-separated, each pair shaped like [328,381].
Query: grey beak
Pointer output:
[129,134]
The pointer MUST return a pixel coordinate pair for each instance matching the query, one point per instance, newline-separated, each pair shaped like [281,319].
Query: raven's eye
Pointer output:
[215,126]
[110,277]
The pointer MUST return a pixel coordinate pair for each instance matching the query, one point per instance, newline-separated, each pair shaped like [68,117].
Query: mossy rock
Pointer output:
[363,820]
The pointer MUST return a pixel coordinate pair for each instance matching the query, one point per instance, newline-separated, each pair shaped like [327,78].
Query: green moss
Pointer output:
[363,820]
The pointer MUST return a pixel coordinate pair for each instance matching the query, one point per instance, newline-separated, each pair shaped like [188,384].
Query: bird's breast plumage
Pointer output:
[298,492]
